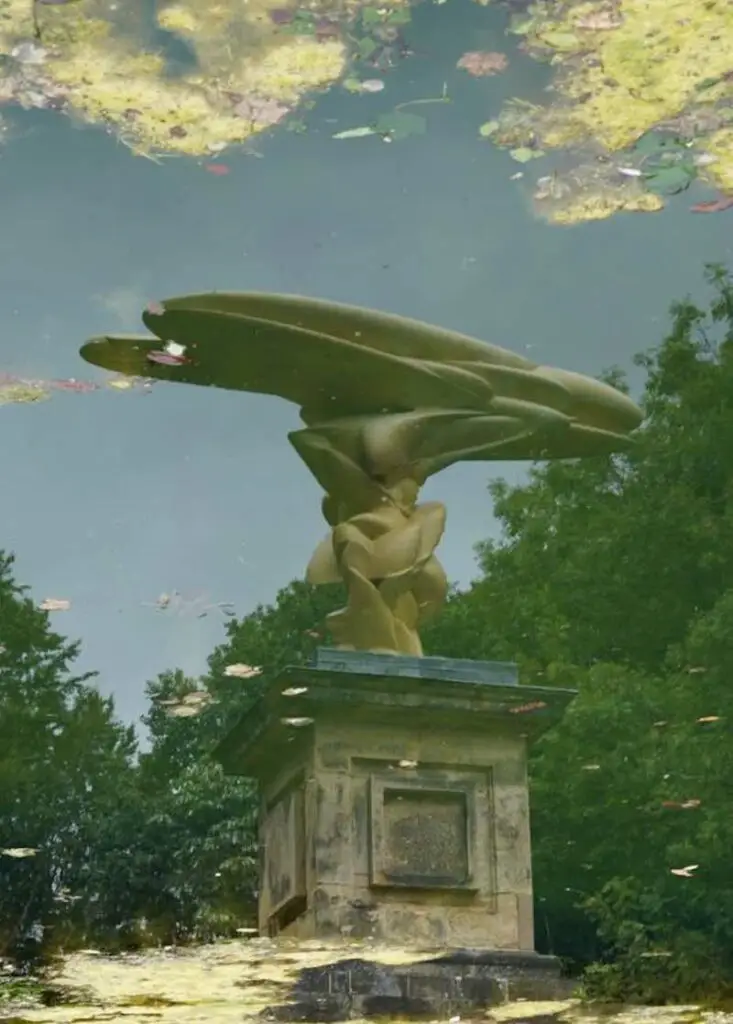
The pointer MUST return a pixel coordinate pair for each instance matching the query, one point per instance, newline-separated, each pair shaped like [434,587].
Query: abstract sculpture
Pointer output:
[386,403]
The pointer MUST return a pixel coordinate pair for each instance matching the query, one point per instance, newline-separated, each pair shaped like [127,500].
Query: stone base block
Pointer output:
[459,982]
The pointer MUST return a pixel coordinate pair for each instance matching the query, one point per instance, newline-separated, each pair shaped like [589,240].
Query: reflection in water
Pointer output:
[387,403]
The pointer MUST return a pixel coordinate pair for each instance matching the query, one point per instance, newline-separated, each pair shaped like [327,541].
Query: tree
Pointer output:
[63,758]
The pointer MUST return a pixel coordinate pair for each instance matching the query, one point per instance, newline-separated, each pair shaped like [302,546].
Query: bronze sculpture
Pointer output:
[386,403]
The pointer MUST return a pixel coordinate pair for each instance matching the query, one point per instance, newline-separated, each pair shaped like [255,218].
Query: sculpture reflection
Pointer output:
[386,403]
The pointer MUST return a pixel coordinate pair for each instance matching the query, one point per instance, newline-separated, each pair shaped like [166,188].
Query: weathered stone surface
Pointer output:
[396,809]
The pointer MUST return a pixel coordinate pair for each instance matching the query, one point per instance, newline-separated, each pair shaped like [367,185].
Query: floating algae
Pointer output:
[624,69]
[97,69]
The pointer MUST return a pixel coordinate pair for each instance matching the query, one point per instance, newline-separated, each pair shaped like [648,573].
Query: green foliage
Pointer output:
[612,575]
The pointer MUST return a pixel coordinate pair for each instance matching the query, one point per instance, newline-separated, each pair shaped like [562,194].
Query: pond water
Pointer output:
[113,497]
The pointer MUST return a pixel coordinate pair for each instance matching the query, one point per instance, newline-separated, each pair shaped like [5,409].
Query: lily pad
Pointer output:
[668,181]
[371,16]
[401,124]
[352,85]
[654,142]
[366,47]
[488,128]
[560,40]
[399,16]
[523,154]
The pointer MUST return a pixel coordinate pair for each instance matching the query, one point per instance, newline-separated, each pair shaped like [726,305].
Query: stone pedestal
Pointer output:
[394,799]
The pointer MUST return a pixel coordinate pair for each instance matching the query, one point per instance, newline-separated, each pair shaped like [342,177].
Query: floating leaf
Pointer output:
[713,205]
[354,133]
[685,872]
[366,47]
[401,124]
[560,40]
[523,154]
[488,128]
[668,181]
[240,671]
[653,142]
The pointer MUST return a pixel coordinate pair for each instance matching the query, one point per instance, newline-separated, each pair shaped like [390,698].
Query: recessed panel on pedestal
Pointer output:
[422,833]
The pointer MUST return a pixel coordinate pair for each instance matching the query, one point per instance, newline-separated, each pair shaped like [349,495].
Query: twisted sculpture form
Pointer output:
[386,402]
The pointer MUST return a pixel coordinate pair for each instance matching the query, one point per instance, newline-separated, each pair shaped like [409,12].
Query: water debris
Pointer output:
[590,767]
[155,309]
[534,705]
[241,671]
[686,805]
[685,872]
[163,358]
[29,53]
[407,764]
[217,169]
[294,691]
[713,205]
[371,85]
[55,604]
[708,718]
[354,133]
[258,111]
[297,723]
[482,63]
[19,852]
[600,21]
[630,172]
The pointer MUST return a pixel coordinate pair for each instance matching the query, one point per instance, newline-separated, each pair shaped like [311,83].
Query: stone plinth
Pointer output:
[394,799]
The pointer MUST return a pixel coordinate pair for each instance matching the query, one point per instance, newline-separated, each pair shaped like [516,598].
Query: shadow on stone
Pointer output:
[461,981]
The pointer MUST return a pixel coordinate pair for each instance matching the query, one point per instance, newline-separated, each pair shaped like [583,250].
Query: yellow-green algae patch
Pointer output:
[624,68]
[235,980]
[92,59]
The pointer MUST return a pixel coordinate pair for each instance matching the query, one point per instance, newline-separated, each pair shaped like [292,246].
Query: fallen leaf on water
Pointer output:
[184,710]
[685,872]
[217,169]
[523,154]
[18,852]
[240,671]
[55,604]
[163,358]
[197,697]
[480,63]
[354,133]
[713,205]
[534,705]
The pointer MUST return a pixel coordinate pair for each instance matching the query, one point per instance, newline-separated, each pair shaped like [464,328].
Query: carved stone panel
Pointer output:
[422,833]
[283,839]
